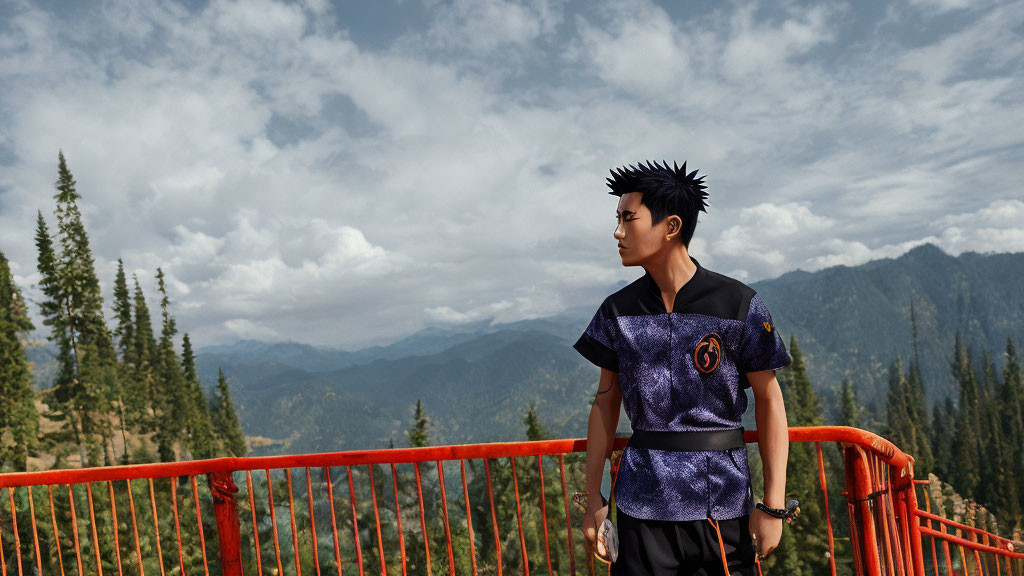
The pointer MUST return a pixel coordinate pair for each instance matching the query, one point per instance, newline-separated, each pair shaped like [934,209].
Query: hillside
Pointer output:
[855,320]
[477,382]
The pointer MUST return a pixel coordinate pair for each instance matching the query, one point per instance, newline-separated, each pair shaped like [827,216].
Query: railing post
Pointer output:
[903,524]
[225,510]
[858,489]
[916,545]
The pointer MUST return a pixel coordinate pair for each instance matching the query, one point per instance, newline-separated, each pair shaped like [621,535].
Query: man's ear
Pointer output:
[675,224]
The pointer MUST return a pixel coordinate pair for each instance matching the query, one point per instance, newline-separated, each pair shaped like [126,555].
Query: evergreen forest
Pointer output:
[119,396]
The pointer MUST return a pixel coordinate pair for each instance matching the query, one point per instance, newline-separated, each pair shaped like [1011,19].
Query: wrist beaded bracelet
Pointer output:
[780,513]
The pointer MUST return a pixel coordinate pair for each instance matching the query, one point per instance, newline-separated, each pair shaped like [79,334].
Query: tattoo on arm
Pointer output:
[599,392]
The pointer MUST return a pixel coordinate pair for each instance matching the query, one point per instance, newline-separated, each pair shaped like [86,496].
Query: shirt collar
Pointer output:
[652,286]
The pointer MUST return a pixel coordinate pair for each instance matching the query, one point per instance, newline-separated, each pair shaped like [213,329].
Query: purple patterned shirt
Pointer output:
[681,371]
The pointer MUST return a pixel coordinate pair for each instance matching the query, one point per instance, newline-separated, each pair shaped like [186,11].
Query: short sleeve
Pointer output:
[761,346]
[597,343]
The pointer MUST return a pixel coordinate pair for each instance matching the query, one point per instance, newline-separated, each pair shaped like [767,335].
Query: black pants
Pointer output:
[662,548]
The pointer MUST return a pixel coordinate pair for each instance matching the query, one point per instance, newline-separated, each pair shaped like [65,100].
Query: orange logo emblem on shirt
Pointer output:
[767,325]
[708,353]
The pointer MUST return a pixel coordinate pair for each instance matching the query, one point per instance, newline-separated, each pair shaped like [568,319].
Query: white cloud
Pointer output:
[450,315]
[769,224]
[997,227]
[246,329]
[940,6]
[294,183]
[1001,213]
[281,264]
[852,253]
[487,25]
[758,50]
[266,19]
[644,51]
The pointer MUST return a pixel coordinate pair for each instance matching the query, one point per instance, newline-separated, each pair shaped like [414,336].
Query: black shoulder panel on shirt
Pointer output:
[719,296]
[712,294]
[632,300]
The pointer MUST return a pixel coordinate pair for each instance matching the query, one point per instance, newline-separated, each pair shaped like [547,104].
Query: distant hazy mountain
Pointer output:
[474,390]
[477,380]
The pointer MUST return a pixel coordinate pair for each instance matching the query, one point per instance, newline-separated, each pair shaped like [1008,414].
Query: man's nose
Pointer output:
[618,233]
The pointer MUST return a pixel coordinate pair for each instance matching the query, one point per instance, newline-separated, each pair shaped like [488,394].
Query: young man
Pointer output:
[679,346]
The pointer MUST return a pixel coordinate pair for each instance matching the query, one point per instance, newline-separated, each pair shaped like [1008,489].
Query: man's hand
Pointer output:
[591,520]
[766,531]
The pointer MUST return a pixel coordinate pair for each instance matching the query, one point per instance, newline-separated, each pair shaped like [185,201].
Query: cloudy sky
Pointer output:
[346,173]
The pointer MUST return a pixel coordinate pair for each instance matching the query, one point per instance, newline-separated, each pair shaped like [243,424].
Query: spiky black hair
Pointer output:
[665,191]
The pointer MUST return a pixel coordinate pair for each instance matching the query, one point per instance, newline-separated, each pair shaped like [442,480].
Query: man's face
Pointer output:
[639,242]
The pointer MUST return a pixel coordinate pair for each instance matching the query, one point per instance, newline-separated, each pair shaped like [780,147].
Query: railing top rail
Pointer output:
[888,451]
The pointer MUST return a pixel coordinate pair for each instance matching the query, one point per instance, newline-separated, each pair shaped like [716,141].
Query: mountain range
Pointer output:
[477,381]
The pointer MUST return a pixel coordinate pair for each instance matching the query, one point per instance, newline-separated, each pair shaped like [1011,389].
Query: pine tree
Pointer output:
[906,421]
[917,410]
[917,407]
[803,408]
[998,488]
[124,333]
[200,428]
[899,428]
[87,386]
[965,445]
[170,382]
[943,420]
[849,411]
[416,553]
[418,433]
[1011,396]
[803,405]
[225,421]
[142,402]
[534,429]
[991,441]
[528,476]
[92,346]
[19,421]
[52,307]
[53,310]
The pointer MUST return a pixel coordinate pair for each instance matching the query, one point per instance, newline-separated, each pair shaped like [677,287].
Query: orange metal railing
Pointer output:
[198,521]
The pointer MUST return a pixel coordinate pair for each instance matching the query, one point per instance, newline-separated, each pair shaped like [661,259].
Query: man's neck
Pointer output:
[674,271]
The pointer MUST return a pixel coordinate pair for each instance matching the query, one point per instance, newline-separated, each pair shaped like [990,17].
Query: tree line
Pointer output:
[974,442]
[118,394]
[971,450]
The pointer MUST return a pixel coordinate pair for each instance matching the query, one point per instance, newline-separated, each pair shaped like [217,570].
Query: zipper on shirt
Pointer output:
[671,381]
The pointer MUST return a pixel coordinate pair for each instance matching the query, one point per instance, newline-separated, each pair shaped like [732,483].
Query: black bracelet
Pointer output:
[779,513]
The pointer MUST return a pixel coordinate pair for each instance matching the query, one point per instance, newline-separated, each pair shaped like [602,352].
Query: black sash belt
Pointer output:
[688,441]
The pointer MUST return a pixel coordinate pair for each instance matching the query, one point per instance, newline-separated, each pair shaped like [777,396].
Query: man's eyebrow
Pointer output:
[625,212]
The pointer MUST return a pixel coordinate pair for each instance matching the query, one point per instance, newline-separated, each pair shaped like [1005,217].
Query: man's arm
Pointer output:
[773,435]
[773,443]
[604,418]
